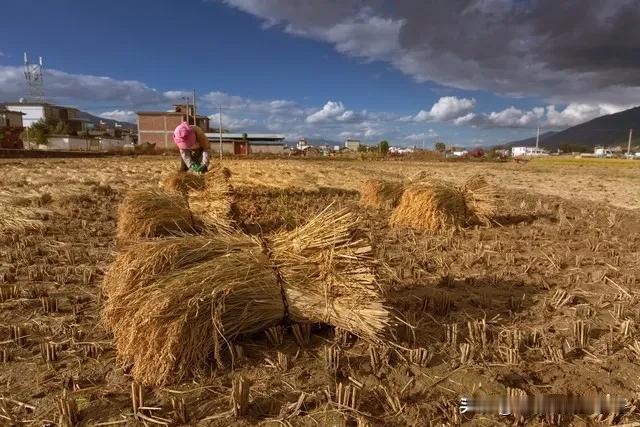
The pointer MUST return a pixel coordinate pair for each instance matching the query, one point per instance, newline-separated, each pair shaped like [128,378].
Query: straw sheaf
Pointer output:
[213,205]
[153,213]
[381,194]
[175,317]
[182,182]
[480,197]
[432,206]
[174,303]
[329,275]
[20,219]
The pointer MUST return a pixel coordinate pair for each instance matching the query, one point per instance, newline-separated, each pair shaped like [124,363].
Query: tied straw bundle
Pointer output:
[381,194]
[437,205]
[14,218]
[187,297]
[213,205]
[181,182]
[153,213]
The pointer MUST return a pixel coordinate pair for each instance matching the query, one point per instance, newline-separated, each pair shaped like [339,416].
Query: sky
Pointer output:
[468,73]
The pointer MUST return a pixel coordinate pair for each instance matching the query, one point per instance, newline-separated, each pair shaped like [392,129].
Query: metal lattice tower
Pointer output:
[34,76]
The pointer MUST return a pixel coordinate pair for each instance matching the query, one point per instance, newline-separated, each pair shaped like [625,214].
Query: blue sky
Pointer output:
[318,69]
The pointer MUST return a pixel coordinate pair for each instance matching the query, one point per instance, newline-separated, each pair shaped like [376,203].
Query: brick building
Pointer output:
[11,127]
[156,127]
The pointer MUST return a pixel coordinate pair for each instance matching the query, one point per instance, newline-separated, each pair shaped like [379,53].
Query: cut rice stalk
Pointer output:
[431,206]
[329,275]
[213,205]
[182,182]
[153,213]
[173,303]
[480,197]
[14,218]
[380,194]
[180,316]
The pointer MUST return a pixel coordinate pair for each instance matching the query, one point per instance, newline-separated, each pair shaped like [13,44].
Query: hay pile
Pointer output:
[153,213]
[213,205]
[181,182]
[381,194]
[174,303]
[191,294]
[329,275]
[439,206]
[20,219]
[431,206]
[480,197]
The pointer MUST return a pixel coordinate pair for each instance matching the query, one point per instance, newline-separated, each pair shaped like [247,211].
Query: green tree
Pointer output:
[439,146]
[384,147]
[38,133]
[60,128]
[362,148]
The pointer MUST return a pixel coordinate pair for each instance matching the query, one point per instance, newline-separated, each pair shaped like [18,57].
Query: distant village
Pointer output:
[47,127]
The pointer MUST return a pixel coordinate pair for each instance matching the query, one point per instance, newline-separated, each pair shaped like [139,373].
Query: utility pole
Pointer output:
[186,100]
[629,143]
[195,122]
[34,76]
[220,129]
[538,138]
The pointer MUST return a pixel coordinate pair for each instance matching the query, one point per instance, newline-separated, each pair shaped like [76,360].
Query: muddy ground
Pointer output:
[545,300]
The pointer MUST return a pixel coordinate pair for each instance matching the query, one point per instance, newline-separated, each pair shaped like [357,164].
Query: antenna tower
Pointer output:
[34,76]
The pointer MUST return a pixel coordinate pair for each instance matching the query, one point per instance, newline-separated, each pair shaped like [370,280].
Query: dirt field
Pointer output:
[546,300]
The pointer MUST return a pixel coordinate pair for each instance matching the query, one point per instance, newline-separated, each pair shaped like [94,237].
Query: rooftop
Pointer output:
[252,137]
[30,104]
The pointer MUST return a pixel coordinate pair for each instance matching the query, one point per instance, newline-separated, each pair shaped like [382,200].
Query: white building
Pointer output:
[528,152]
[43,111]
[602,152]
[302,144]
[352,144]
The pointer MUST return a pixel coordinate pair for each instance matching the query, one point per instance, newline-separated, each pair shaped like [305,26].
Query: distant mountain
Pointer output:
[531,141]
[609,130]
[96,120]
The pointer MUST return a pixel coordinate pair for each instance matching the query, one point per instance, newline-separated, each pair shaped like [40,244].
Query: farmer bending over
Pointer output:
[194,147]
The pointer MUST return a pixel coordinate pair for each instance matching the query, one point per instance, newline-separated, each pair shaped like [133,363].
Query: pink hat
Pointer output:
[184,136]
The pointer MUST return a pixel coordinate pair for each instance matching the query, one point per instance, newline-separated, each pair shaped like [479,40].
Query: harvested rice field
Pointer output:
[540,297]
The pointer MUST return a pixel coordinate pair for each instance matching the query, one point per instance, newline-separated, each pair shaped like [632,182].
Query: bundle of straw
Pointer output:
[173,317]
[181,182]
[213,205]
[20,219]
[173,303]
[381,194]
[480,197]
[329,275]
[431,206]
[153,213]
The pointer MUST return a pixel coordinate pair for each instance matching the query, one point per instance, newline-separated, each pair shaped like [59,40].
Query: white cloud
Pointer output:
[63,86]
[574,114]
[331,111]
[506,47]
[549,117]
[373,132]
[119,115]
[247,105]
[446,108]
[513,118]
[334,111]
[462,120]
[231,123]
[419,137]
